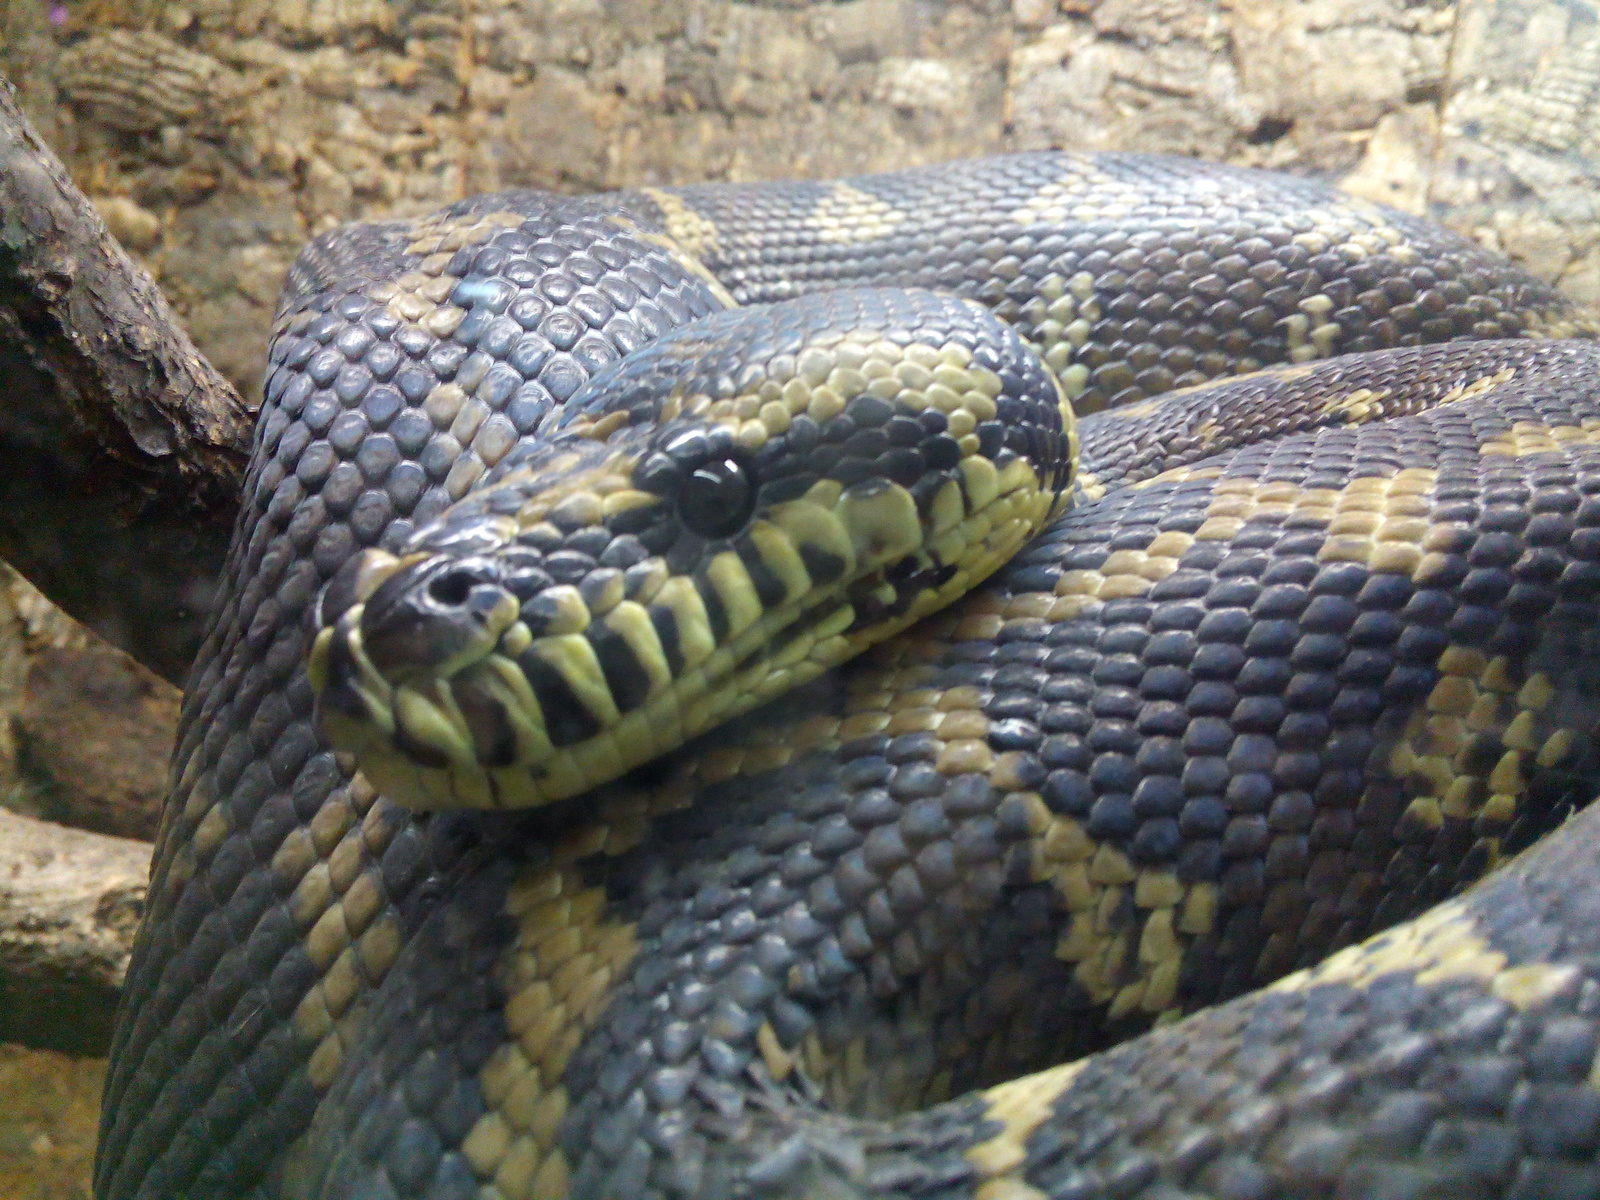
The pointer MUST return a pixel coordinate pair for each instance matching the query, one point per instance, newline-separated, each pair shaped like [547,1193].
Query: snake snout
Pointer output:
[435,617]
[397,663]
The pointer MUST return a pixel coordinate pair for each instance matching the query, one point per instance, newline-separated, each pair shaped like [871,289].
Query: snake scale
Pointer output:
[1074,889]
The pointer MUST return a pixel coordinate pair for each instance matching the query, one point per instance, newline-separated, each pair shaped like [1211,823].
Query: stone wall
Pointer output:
[218,135]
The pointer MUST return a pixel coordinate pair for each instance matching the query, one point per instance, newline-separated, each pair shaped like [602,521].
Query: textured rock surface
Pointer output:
[93,734]
[70,904]
[1519,150]
[218,134]
[49,1104]
[29,626]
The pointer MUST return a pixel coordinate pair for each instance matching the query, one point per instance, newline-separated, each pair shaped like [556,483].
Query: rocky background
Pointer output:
[216,136]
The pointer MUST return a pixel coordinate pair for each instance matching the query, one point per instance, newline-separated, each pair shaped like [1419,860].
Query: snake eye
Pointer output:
[717,498]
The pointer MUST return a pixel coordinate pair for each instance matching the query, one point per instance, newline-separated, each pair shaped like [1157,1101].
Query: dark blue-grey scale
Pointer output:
[837,895]
[1182,296]
[208,1085]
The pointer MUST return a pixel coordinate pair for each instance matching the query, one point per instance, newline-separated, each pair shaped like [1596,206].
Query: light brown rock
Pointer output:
[69,903]
[94,734]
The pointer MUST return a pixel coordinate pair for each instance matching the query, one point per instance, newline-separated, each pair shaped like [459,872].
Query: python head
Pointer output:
[723,515]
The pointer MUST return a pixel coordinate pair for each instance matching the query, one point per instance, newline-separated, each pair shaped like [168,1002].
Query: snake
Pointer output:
[1042,677]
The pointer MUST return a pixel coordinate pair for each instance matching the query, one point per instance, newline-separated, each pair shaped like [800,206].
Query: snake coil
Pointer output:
[543,487]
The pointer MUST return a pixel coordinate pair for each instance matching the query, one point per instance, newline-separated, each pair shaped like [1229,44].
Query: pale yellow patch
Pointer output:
[557,975]
[1020,1106]
[445,235]
[1477,387]
[695,233]
[848,215]
[1442,945]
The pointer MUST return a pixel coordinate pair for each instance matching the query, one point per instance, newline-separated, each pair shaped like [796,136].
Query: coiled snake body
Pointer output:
[1313,651]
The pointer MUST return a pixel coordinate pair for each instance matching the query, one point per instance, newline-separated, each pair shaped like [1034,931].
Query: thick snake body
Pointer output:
[1314,650]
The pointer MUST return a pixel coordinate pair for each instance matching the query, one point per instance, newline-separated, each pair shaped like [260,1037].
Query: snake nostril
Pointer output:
[472,587]
[452,588]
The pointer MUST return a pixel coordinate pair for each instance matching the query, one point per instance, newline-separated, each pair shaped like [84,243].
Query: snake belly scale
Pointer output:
[1312,652]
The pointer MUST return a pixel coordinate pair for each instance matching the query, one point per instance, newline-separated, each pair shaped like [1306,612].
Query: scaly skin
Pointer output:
[1211,726]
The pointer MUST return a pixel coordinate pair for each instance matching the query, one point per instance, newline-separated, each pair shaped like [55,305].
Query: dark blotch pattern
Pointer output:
[191,1109]
[1195,270]
[885,903]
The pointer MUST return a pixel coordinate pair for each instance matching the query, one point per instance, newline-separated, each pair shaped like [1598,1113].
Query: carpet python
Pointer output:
[1139,869]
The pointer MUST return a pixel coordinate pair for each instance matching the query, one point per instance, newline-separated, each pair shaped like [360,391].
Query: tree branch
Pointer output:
[125,449]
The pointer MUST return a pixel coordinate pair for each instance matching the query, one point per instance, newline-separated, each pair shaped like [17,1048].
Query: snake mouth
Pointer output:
[395,628]
[454,692]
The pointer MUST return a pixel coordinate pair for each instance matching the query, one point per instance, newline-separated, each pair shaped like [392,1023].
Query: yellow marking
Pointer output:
[917,377]
[1478,705]
[296,860]
[503,679]
[948,509]
[726,573]
[1530,437]
[848,215]
[573,656]
[1537,693]
[1084,193]
[332,823]
[679,596]
[881,521]
[378,947]
[689,236]
[442,234]
[1477,387]
[1127,967]
[1442,945]
[1520,734]
[1556,748]
[434,721]
[1199,910]
[780,1062]
[693,232]
[443,403]
[353,943]
[631,621]
[601,428]
[1358,406]
[557,975]
[211,832]
[442,322]
[1093,489]
[980,481]
[1020,1106]
[515,640]
[340,982]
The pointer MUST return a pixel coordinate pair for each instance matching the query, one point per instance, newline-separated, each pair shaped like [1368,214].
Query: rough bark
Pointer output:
[124,447]
[70,903]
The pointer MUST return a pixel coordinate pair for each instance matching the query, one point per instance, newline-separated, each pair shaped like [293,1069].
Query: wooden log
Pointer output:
[125,448]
